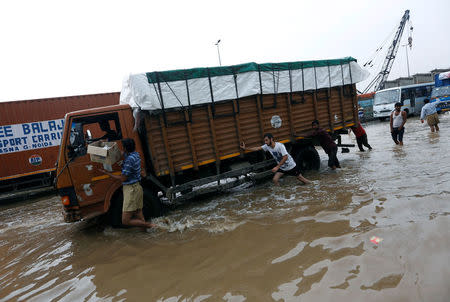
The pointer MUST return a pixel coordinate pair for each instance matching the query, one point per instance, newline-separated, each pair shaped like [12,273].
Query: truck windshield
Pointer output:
[440,92]
[386,97]
[105,127]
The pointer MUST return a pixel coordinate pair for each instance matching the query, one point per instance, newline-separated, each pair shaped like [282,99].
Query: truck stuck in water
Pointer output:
[188,125]
[30,133]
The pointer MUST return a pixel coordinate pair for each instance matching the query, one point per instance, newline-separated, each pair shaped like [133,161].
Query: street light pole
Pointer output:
[407,60]
[218,52]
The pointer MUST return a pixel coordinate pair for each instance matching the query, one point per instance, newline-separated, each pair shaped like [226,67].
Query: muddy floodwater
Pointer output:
[258,243]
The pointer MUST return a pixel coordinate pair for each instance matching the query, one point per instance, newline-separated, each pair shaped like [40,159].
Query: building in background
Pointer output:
[417,78]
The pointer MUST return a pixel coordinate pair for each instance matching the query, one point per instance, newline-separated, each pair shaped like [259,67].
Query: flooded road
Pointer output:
[259,243]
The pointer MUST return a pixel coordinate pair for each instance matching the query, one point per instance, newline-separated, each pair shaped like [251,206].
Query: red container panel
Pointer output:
[31,130]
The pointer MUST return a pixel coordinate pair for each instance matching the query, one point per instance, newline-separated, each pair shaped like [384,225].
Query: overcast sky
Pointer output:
[61,48]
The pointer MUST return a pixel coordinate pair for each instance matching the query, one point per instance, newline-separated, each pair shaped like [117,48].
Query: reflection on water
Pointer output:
[433,137]
[263,243]
[399,152]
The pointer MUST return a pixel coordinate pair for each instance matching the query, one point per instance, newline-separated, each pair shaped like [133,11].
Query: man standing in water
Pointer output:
[327,144]
[429,112]
[397,123]
[133,195]
[285,162]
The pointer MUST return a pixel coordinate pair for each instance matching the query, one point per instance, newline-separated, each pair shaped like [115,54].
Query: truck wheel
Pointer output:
[115,210]
[307,158]
[152,204]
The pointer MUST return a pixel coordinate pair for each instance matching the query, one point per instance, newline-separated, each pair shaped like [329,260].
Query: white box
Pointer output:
[104,152]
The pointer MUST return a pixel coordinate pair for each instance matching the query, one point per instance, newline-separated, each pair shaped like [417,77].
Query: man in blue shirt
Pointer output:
[133,195]
[429,112]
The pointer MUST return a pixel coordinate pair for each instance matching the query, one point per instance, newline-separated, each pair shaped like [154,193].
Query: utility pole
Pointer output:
[218,52]
[407,60]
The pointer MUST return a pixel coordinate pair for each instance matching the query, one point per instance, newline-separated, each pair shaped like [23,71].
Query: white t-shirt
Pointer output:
[278,152]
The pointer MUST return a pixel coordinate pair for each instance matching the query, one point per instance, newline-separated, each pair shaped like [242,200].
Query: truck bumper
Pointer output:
[72,214]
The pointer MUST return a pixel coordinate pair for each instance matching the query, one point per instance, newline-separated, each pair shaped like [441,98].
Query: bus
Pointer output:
[411,97]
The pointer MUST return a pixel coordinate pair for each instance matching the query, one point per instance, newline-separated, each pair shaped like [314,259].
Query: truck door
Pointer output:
[407,100]
[90,184]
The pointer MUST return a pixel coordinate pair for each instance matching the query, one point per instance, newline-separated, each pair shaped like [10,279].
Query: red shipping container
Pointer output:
[30,133]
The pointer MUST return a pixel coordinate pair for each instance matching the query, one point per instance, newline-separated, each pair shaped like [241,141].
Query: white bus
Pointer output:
[411,97]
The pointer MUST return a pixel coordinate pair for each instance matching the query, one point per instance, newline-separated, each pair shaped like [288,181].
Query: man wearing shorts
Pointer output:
[133,195]
[429,112]
[285,162]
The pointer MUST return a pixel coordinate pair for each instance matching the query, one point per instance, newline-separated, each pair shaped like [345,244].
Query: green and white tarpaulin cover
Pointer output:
[189,87]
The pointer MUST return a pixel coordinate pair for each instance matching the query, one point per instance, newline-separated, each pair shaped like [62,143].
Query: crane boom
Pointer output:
[382,76]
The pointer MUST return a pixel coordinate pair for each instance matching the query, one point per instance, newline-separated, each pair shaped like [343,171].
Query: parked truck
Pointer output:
[188,125]
[365,103]
[30,133]
[441,91]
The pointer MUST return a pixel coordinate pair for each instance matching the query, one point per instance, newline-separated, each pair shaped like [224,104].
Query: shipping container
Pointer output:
[30,134]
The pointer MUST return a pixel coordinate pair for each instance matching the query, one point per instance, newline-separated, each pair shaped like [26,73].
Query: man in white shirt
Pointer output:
[285,162]
[429,112]
[397,123]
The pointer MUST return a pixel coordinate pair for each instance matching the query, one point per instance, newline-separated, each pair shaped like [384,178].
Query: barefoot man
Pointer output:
[133,194]
[285,162]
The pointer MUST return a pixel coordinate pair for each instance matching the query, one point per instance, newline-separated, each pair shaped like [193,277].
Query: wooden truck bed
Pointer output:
[181,139]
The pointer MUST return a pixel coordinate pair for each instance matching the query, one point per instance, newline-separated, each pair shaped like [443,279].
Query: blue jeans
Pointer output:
[397,135]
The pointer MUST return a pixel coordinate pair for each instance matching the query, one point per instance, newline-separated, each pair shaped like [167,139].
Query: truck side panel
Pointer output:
[209,133]
[41,154]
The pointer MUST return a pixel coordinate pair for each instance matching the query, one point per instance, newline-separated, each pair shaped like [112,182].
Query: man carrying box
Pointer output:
[133,195]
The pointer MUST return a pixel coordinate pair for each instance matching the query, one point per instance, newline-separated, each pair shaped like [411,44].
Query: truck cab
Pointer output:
[85,191]
[441,91]
[441,94]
